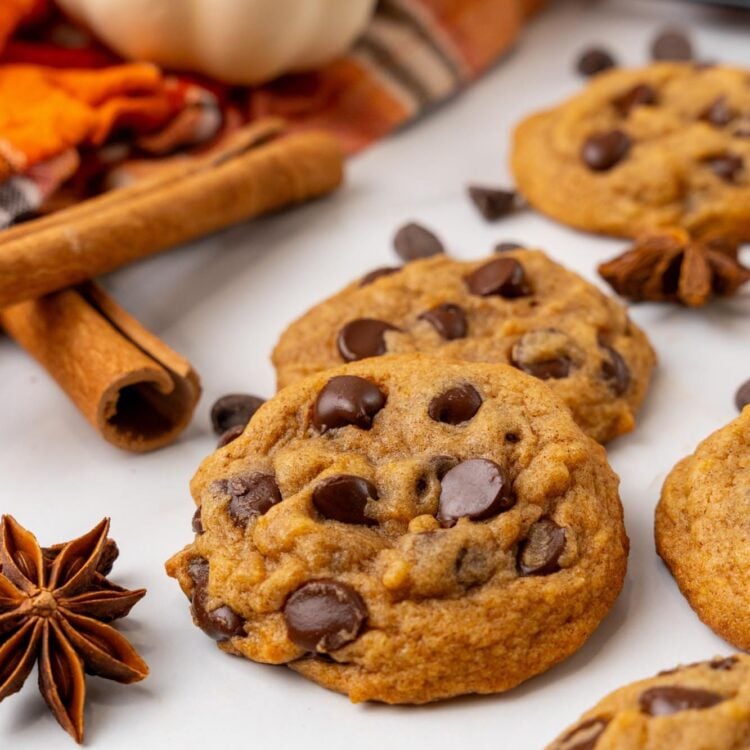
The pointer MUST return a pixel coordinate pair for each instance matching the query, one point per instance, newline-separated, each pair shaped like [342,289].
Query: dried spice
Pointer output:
[672,267]
[55,604]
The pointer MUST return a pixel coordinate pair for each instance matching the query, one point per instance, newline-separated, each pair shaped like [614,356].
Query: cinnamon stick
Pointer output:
[261,170]
[137,392]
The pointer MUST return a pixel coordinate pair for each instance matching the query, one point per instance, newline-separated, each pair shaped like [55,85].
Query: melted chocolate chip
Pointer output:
[456,405]
[492,203]
[230,435]
[344,498]
[584,736]
[377,273]
[506,247]
[641,95]
[198,522]
[728,167]
[235,409]
[670,699]
[539,553]
[362,338]
[448,320]
[220,623]
[413,241]
[347,400]
[543,353]
[719,113]
[742,397]
[251,496]
[602,151]
[322,616]
[504,277]
[672,44]
[593,61]
[723,665]
[615,370]
[475,489]
[472,567]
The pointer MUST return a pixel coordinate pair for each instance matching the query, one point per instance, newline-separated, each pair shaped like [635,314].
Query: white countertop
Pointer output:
[223,302]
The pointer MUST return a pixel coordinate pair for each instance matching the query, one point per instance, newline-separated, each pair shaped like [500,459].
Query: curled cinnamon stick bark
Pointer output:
[137,392]
[260,170]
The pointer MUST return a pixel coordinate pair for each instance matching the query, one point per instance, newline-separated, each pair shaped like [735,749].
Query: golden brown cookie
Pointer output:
[703,706]
[703,529]
[661,146]
[518,307]
[405,529]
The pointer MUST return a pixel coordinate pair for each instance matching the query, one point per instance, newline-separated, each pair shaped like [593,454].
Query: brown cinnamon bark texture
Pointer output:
[136,391]
[261,169]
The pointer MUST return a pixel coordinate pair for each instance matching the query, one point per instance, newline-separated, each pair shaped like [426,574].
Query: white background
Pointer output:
[224,301]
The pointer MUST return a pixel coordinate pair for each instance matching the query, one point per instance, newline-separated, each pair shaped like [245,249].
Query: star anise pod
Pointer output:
[54,606]
[672,267]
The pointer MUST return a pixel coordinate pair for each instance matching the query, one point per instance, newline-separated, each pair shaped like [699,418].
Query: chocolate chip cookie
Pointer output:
[702,525]
[406,529]
[703,706]
[662,146]
[519,308]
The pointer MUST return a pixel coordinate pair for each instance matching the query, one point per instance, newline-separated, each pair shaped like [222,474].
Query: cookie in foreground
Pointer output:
[701,529]
[406,529]
[519,307]
[704,706]
[642,149]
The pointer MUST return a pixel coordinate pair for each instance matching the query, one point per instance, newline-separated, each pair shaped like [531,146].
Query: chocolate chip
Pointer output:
[378,273]
[251,496]
[670,699]
[543,353]
[728,167]
[615,370]
[413,241]
[475,489]
[198,521]
[742,397]
[344,498]
[505,247]
[539,553]
[723,665]
[456,405]
[234,409]
[639,96]
[593,61]
[602,151]
[220,623]
[492,203]
[719,113]
[322,616]
[504,277]
[347,400]
[472,567]
[672,44]
[362,338]
[230,435]
[584,736]
[448,320]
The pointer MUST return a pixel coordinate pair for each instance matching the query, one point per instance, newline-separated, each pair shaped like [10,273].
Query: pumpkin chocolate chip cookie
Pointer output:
[702,529]
[519,308]
[662,146]
[406,529]
[703,706]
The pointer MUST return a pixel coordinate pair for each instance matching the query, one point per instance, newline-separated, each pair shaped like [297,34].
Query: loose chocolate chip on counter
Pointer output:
[504,277]
[615,370]
[543,353]
[448,320]
[506,247]
[728,167]
[639,96]
[362,338]
[670,699]
[719,113]
[251,496]
[220,623]
[742,397]
[594,60]
[233,410]
[584,736]
[539,553]
[378,273]
[347,400]
[344,498]
[456,405]
[475,489]
[230,435]
[672,44]
[602,151]
[492,203]
[322,616]
[413,241]
[198,521]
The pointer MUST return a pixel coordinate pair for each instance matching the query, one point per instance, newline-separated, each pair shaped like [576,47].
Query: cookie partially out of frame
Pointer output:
[518,307]
[661,146]
[703,529]
[703,706]
[406,529]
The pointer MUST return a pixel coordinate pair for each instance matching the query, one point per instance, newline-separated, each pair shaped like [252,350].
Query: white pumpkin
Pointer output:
[238,41]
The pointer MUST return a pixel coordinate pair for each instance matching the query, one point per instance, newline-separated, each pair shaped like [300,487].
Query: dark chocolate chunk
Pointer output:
[585,735]
[251,496]
[594,60]
[230,435]
[413,241]
[539,553]
[728,166]
[672,44]
[641,95]
[615,370]
[671,699]
[719,113]
[234,409]
[456,405]
[543,353]
[475,489]
[505,247]
[220,623]
[504,277]
[448,320]
[742,397]
[378,273]
[347,400]
[362,338]
[492,203]
[602,151]
[198,521]
[322,616]
[344,498]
